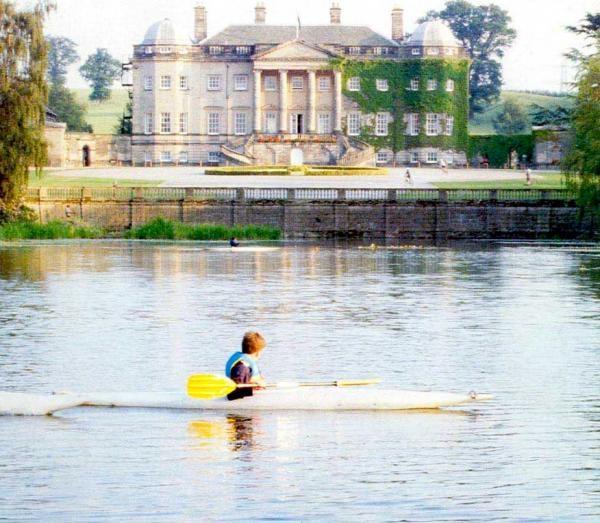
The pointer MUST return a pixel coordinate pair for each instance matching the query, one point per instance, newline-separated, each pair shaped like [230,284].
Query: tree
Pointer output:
[486,33]
[558,116]
[590,29]
[101,70]
[512,119]
[124,126]
[23,96]
[68,110]
[62,53]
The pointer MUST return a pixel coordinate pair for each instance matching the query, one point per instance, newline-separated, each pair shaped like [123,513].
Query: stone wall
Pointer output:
[425,219]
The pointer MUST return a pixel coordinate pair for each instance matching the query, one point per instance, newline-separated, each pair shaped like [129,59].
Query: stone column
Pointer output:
[338,101]
[257,101]
[283,101]
[312,101]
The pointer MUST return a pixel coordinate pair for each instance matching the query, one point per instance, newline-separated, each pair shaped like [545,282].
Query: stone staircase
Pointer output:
[237,151]
[356,152]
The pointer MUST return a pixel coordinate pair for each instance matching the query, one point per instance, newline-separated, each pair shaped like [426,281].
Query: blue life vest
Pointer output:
[244,358]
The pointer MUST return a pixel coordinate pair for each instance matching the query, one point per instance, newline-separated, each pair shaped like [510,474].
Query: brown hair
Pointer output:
[253,342]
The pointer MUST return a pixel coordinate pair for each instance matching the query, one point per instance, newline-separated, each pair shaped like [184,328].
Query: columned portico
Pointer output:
[257,100]
[283,100]
[312,101]
[338,102]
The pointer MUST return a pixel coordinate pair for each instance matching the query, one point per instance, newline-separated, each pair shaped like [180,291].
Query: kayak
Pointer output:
[244,249]
[15,404]
[294,399]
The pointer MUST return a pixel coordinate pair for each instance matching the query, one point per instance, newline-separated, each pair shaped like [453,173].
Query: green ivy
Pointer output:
[498,147]
[399,99]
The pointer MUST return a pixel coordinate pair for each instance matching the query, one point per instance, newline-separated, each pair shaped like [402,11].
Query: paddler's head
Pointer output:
[253,344]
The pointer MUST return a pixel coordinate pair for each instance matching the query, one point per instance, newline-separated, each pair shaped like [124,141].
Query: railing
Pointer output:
[155,194]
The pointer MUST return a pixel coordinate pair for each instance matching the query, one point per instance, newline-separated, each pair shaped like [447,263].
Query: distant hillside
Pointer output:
[482,123]
[104,117]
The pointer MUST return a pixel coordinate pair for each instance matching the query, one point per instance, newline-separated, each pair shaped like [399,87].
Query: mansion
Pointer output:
[269,94]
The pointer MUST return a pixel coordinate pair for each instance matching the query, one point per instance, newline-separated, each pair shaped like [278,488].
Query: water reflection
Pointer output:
[234,432]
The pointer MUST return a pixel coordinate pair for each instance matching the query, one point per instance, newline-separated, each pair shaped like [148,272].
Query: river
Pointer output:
[519,320]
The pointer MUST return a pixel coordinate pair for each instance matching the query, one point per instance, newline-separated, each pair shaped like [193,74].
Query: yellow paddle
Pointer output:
[209,386]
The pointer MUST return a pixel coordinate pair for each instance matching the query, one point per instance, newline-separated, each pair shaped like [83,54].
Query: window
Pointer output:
[165,82]
[324,83]
[183,83]
[214,82]
[354,50]
[415,51]
[412,124]
[183,157]
[148,83]
[449,125]
[215,49]
[239,121]
[414,84]
[383,157]
[354,124]
[432,127]
[148,50]
[324,123]
[354,83]
[165,122]
[270,83]
[381,124]
[165,50]
[214,123]
[450,86]
[432,85]
[432,157]
[433,51]
[240,82]
[147,156]
[382,84]
[214,156]
[243,49]
[148,123]
[183,123]
[414,157]
[297,83]
[165,157]
[271,122]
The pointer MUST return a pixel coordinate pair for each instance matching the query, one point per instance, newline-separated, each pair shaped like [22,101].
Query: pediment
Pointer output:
[296,50]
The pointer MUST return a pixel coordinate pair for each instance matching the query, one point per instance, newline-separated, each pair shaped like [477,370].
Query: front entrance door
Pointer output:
[87,160]
[297,156]
[296,123]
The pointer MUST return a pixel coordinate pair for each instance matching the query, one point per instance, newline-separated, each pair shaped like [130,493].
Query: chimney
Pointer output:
[398,24]
[200,24]
[260,13]
[336,13]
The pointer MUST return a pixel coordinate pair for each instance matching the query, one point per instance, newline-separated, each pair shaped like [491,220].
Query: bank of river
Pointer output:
[519,320]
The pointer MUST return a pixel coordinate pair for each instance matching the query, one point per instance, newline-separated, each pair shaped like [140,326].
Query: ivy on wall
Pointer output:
[399,99]
[497,148]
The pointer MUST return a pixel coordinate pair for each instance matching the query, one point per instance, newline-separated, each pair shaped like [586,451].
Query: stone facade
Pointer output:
[551,146]
[253,94]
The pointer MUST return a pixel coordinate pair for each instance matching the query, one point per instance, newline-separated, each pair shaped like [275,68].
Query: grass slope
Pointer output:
[482,123]
[103,116]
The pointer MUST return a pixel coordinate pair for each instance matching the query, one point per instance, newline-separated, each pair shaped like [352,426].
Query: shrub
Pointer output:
[54,230]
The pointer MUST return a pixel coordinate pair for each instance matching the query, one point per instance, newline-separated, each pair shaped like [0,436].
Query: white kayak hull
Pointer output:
[15,404]
[293,399]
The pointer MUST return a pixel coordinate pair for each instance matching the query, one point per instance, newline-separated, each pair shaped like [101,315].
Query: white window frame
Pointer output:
[271,122]
[412,124]
[214,156]
[148,83]
[148,50]
[432,84]
[354,124]
[166,157]
[382,157]
[354,50]
[432,157]
[148,123]
[382,84]
[415,84]
[240,123]
[165,123]
[432,124]
[183,157]
[414,157]
[183,123]
[382,123]
[165,82]
[215,49]
[213,123]
[354,84]
[324,83]
[243,49]
[297,83]
[324,123]
[449,130]
[184,83]
[416,51]
[270,82]
[213,82]
[450,86]
[240,82]
[148,156]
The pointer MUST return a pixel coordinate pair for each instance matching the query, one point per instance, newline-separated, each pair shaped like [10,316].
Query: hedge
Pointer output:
[497,148]
[306,170]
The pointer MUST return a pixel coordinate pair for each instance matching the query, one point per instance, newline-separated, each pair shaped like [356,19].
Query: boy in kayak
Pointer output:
[233,242]
[242,367]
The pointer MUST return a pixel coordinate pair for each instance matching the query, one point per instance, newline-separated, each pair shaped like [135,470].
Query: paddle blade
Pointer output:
[209,387]
[355,383]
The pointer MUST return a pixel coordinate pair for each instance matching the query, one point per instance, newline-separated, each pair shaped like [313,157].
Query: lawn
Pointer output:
[104,116]
[543,181]
[50,180]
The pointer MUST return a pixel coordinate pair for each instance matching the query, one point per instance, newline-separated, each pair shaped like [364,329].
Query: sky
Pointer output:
[535,61]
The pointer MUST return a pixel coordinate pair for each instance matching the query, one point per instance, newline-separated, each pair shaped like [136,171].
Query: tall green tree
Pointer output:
[512,119]
[23,97]
[486,33]
[101,70]
[62,53]
[68,110]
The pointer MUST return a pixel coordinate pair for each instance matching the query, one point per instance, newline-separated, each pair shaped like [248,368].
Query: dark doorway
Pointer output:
[87,159]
